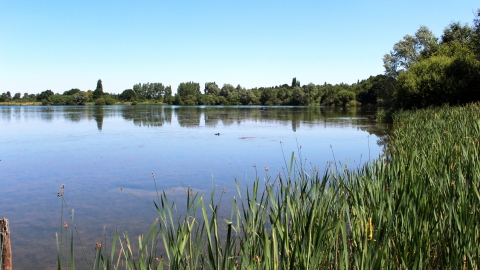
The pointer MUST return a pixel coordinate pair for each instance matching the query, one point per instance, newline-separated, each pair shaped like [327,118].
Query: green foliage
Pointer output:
[28,98]
[100,101]
[44,95]
[329,93]
[343,97]
[456,32]
[269,96]
[450,77]
[188,94]
[58,99]
[284,94]
[212,89]
[189,88]
[72,91]
[109,100]
[227,90]
[4,97]
[98,93]
[409,50]
[299,97]
[128,95]
[80,98]
[148,91]
[376,90]
[168,99]
[295,82]
[432,74]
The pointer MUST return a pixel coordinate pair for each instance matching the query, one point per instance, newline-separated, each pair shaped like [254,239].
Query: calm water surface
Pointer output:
[93,150]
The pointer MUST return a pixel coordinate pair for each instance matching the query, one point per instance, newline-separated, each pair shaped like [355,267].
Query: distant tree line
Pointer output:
[293,94]
[189,93]
[73,96]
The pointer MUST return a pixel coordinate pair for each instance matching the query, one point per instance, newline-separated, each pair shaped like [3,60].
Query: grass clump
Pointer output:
[416,208]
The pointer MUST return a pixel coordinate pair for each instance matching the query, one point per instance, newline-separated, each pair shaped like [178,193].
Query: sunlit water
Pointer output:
[93,150]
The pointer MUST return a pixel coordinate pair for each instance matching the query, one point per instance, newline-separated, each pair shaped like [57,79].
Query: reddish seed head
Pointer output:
[266,168]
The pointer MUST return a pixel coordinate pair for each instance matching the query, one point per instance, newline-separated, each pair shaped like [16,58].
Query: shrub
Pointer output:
[100,101]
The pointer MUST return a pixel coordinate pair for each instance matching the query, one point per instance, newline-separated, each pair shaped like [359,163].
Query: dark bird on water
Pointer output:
[218,134]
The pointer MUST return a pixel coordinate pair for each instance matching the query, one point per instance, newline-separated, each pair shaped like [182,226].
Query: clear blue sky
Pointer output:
[66,44]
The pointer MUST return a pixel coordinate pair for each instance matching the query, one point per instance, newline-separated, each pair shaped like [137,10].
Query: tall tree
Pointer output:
[410,50]
[98,93]
[212,89]
[189,88]
[167,98]
[158,91]
[457,32]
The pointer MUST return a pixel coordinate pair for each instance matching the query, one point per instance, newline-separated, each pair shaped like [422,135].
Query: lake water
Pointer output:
[93,150]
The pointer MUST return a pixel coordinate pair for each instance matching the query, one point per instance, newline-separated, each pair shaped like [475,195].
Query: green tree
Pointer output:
[409,50]
[98,93]
[343,97]
[45,95]
[128,95]
[168,95]
[270,97]
[299,97]
[100,101]
[109,100]
[211,88]
[71,91]
[295,82]
[376,90]
[457,32]
[80,98]
[227,90]
[311,92]
[452,76]
[189,88]
[285,95]
[188,94]
[57,99]
[158,91]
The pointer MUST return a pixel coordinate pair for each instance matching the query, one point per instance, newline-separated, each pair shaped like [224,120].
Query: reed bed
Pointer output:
[417,207]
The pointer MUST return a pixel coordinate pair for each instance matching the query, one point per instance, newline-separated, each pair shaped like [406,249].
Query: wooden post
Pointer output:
[5,244]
